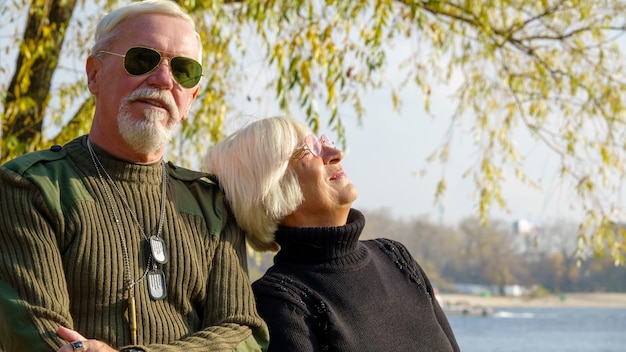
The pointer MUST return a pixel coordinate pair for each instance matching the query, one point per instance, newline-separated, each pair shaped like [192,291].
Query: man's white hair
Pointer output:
[109,28]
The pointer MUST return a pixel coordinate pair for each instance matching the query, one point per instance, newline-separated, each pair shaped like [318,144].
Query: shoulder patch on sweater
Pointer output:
[60,183]
[26,161]
[184,174]
[209,199]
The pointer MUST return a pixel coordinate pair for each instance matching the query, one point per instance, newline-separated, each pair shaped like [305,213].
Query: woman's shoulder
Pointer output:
[288,289]
[398,255]
[276,281]
[388,246]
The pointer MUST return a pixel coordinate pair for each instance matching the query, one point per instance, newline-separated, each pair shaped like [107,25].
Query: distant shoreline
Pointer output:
[579,300]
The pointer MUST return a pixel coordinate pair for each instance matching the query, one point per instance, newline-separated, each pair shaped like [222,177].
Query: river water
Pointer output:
[543,330]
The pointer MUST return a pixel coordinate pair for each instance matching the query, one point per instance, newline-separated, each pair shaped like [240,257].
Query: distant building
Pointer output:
[476,289]
[514,290]
[528,233]
[491,290]
[525,227]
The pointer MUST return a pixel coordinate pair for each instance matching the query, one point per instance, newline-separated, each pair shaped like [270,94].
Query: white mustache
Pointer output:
[165,97]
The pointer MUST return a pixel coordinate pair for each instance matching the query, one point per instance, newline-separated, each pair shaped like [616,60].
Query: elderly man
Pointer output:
[103,245]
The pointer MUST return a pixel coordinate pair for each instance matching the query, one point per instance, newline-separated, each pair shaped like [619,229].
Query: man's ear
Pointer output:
[191,99]
[92,67]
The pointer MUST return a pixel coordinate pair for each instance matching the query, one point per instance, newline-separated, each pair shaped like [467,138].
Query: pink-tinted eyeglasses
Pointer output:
[313,145]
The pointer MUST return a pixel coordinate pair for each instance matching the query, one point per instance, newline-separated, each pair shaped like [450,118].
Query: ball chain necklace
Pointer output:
[157,253]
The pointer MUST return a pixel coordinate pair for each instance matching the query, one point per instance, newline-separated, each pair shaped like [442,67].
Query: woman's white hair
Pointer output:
[109,28]
[252,168]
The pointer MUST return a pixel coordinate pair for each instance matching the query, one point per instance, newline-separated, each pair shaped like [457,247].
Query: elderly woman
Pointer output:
[327,291]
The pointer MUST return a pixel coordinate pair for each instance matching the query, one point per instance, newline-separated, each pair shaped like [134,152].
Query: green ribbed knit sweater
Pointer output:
[62,260]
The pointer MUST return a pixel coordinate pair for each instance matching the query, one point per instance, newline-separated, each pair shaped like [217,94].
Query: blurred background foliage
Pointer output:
[553,67]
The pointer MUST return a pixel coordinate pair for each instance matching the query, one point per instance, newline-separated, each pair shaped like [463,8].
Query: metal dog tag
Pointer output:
[156,284]
[157,248]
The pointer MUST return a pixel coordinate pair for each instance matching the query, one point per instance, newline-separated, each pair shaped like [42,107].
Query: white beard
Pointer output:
[148,135]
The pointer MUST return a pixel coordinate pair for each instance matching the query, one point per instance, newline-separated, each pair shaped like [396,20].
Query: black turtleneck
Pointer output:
[328,291]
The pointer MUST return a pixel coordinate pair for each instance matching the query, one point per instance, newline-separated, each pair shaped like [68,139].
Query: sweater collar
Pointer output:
[118,169]
[322,244]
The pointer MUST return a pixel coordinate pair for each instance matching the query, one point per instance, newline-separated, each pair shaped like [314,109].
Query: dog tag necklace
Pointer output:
[157,252]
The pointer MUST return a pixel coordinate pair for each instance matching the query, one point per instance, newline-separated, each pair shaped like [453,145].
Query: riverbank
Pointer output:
[581,300]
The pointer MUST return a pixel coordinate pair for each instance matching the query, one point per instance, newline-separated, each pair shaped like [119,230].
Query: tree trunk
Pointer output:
[29,91]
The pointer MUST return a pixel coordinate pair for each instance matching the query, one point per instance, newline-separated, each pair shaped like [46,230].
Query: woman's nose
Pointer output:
[331,155]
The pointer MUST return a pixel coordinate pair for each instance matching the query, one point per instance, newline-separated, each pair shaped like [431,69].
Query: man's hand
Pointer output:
[72,337]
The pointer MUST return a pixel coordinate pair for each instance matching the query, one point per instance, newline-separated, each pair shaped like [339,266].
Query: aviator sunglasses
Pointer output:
[313,145]
[140,60]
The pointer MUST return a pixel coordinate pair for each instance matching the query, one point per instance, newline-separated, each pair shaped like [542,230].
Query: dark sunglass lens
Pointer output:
[186,71]
[139,61]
